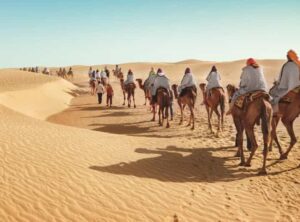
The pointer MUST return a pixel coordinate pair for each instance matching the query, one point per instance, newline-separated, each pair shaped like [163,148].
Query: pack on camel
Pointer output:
[289,109]
[146,91]
[248,110]
[189,99]
[164,103]
[215,99]
[129,90]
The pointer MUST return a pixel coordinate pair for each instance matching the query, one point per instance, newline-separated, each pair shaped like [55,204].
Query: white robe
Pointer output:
[130,79]
[150,80]
[252,79]
[213,80]
[289,79]
[160,81]
[188,80]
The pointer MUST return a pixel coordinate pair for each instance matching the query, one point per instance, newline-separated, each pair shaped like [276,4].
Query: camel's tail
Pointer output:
[222,103]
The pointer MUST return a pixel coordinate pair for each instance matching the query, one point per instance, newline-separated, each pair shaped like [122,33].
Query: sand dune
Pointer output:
[115,165]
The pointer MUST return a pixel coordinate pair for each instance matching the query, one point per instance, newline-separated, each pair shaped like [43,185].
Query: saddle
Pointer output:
[243,100]
[187,89]
[127,86]
[215,88]
[290,96]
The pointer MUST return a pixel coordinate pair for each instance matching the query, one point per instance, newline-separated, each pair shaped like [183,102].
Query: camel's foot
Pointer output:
[134,106]
[145,104]
[242,163]
[160,124]
[188,125]
[270,149]
[180,123]
[237,154]
[283,156]
[168,125]
[171,118]
[152,120]
[192,128]
[262,172]
[247,164]
[123,104]
[128,106]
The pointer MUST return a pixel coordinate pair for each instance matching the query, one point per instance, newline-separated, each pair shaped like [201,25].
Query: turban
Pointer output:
[294,57]
[252,62]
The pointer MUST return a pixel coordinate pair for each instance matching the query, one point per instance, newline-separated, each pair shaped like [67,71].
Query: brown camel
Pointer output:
[189,99]
[163,102]
[93,86]
[129,90]
[289,109]
[212,102]
[146,91]
[70,74]
[257,108]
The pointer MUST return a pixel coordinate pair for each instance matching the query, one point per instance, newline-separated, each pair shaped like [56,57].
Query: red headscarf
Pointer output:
[252,62]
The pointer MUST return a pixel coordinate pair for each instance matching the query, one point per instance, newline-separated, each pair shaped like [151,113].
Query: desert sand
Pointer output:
[65,158]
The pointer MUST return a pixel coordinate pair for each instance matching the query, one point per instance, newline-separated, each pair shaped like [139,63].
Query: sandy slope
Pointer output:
[126,168]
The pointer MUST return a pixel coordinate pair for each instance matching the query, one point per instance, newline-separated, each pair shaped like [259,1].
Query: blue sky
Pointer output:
[68,32]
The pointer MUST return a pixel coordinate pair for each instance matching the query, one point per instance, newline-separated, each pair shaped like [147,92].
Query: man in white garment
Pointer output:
[213,81]
[188,80]
[252,79]
[130,78]
[289,79]
[150,80]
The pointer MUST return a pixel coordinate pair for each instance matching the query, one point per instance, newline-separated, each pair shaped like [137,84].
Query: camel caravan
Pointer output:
[250,103]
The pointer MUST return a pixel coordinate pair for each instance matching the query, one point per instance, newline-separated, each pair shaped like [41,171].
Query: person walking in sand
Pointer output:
[109,95]
[100,91]
[288,80]
[252,79]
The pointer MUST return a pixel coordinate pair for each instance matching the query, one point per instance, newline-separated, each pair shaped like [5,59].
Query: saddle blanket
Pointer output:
[249,97]
[289,97]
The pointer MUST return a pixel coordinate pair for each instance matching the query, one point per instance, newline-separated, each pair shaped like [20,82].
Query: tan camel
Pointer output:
[70,74]
[129,90]
[255,108]
[212,102]
[163,102]
[189,99]
[289,109]
[146,91]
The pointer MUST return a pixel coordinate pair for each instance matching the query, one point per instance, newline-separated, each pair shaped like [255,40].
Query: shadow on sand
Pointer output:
[182,165]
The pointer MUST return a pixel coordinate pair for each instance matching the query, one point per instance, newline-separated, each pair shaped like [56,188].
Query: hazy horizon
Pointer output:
[64,33]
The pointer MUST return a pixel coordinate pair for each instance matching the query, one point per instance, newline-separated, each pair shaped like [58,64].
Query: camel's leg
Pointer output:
[190,119]
[124,96]
[210,112]
[250,132]
[289,126]
[167,116]
[134,100]
[275,122]
[181,113]
[159,116]
[219,118]
[266,136]
[193,117]
[154,112]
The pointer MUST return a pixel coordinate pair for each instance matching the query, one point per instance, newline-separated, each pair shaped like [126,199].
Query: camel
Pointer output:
[118,74]
[289,109]
[146,91]
[70,74]
[257,108]
[189,99]
[163,102]
[129,90]
[212,102]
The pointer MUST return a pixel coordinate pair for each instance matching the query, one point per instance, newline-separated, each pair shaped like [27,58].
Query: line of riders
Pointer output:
[62,72]
[250,104]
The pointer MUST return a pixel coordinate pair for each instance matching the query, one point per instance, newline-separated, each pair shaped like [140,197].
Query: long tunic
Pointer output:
[160,81]
[289,79]
[130,79]
[213,80]
[252,79]
[150,80]
[188,80]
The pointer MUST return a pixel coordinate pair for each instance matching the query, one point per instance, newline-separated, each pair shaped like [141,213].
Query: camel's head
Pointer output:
[139,80]
[230,90]
[202,86]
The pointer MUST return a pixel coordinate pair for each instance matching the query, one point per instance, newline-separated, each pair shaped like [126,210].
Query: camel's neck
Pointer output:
[175,93]
[141,85]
